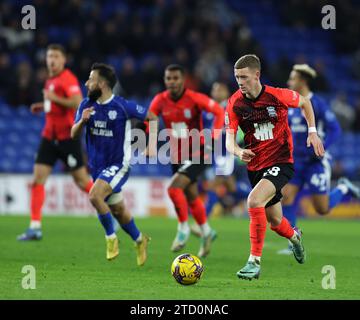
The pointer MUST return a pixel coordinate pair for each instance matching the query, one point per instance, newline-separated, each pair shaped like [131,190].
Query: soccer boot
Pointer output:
[206,244]
[298,247]
[287,251]
[112,248]
[30,234]
[179,241]
[355,191]
[250,271]
[141,250]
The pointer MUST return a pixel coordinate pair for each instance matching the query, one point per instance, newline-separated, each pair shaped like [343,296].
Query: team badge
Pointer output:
[187,113]
[112,114]
[140,109]
[272,112]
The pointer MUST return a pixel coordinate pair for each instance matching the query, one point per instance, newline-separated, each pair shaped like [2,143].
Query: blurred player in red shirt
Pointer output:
[181,109]
[262,113]
[62,95]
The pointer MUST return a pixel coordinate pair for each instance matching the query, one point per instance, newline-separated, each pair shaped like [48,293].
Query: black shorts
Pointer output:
[69,151]
[192,171]
[278,174]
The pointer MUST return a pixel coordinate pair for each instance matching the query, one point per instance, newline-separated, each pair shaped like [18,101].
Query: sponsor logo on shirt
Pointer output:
[100,128]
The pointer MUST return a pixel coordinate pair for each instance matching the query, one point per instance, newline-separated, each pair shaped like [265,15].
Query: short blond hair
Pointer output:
[305,69]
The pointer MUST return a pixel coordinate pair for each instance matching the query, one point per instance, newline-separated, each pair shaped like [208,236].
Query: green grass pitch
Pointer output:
[70,262]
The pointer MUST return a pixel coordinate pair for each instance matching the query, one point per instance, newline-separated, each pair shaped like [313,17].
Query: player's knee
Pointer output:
[191,197]
[95,198]
[322,210]
[274,221]
[79,182]
[119,209]
[287,200]
[38,179]
[254,201]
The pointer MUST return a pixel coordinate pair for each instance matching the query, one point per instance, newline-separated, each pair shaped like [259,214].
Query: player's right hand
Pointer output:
[37,107]
[86,114]
[246,155]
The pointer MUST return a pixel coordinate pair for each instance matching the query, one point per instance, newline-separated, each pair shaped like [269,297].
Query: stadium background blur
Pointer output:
[139,38]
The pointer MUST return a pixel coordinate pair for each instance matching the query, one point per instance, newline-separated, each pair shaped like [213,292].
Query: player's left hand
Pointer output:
[49,95]
[314,140]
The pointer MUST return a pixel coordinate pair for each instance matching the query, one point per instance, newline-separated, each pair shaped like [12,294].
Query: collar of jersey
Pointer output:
[106,101]
[178,97]
[259,95]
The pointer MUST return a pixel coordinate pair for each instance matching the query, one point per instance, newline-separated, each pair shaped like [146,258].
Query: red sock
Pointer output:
[88,186]
[198,211]
[257,230]
[37,201]
[284,229]
[178,198]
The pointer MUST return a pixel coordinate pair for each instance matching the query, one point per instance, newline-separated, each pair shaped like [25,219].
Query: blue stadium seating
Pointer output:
[20,133]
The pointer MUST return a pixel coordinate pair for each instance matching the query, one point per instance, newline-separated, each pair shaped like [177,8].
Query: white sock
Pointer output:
[111,236]
[183,227]
[34,224]
[343,188]
[253,258]
[139,238]
[205,229]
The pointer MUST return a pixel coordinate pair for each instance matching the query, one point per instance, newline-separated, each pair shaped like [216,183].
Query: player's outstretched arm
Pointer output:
[151,148]
[77,127]
[68,102]
[313,138]
[218,123]
[245,155]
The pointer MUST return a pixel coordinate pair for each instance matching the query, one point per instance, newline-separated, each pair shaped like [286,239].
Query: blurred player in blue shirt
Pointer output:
[311,171]
[106,118]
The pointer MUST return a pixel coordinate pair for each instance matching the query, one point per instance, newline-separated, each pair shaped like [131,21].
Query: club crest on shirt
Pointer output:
[140,108]
[187,113]
[272,112]
[112,114]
